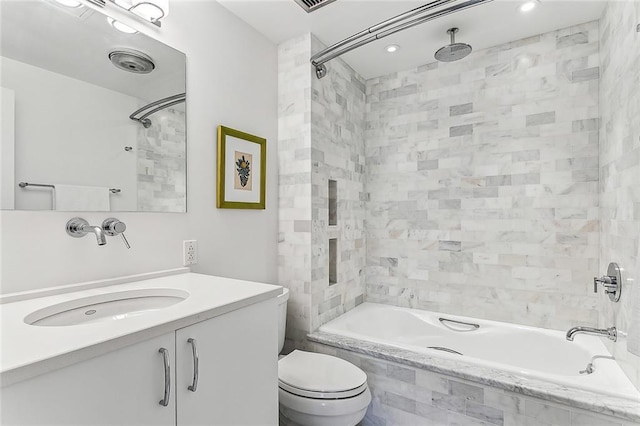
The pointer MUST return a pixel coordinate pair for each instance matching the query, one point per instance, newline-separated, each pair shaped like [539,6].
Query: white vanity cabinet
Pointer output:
[118,388]
[237,379]
[237,370]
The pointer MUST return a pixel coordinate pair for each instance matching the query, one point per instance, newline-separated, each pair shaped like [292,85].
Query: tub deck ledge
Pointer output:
[608,405]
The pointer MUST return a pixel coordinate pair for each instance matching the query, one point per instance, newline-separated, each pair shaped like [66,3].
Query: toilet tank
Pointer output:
[282,317]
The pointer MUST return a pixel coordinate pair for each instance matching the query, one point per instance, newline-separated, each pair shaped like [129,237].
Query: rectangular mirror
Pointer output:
[93,118]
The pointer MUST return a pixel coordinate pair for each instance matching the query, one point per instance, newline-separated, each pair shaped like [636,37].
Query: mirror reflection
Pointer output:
[93,113]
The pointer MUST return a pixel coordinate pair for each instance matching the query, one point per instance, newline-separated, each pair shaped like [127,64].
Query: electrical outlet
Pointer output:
[189,252]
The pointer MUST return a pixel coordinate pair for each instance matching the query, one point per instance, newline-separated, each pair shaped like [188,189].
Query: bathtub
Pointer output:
[525,352]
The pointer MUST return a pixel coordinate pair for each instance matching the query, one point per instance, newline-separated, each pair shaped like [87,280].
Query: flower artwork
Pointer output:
[242,170]
[243,180]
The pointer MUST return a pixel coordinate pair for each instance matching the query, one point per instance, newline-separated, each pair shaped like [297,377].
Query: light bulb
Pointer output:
[121,27]
[392,48]
[69,3]
[528,6]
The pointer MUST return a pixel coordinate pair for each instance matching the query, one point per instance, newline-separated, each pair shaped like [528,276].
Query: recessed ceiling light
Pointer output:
[121,27]
[69,3]
[392,48]
[528,6]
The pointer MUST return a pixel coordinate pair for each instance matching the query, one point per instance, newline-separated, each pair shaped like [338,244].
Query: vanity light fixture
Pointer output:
[69,3]
[150,10]
[392,48]
[120,26]
[528,6]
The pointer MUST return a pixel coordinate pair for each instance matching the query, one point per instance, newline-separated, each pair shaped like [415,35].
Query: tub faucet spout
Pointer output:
[611,333]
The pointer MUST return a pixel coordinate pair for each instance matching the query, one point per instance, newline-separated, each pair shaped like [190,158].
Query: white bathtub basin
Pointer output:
[106,307]
[527,352]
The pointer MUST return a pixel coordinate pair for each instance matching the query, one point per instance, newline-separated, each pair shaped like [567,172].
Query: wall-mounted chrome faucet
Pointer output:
[612,282]
[78,228]
[610,333]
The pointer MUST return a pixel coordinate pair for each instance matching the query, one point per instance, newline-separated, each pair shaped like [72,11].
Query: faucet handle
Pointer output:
[113,227]
[612,282]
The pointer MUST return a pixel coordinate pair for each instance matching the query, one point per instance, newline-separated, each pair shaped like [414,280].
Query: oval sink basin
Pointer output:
[106,307]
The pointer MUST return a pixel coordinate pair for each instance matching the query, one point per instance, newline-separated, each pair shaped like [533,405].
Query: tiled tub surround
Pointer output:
[483,183]
[620,171]
[321,138]
[415,389]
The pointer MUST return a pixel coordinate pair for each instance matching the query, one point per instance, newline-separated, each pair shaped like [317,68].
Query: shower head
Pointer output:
[132,61]
[454,51]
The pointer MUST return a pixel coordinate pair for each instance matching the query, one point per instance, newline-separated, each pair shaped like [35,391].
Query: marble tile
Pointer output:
[321,134]
[516,396]
[500,148]
[461,109]
[452,392]
[485,413]
[619,168]
[546,413]
[541,118]
[160,163]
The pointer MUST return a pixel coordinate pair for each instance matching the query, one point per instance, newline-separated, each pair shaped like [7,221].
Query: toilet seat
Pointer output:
[322,395]
[319,376]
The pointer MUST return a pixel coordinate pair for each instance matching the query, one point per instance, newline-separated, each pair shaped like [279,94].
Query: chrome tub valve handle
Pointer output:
[113,227]
[612,282]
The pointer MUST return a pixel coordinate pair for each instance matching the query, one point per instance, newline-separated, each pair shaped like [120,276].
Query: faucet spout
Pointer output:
[100,235]
[610,333]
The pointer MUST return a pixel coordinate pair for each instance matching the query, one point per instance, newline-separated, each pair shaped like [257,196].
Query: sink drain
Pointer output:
[90,312]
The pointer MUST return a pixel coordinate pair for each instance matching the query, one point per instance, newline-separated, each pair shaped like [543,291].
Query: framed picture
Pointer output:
[242,166]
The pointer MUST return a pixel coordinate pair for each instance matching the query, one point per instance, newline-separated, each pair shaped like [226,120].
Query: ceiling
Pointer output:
[482,26]
[76,42]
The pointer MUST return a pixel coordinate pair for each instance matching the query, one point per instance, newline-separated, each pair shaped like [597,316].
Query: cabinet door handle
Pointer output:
[167,377]
[194,347]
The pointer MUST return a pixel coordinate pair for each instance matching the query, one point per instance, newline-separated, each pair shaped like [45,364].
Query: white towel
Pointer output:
[633,338]
[81,198]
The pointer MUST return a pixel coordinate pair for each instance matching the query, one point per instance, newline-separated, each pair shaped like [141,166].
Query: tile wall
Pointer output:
[294,185]
[620,172]
[161,164]
[321,138]
[337,153]
[403,395]
[483,183]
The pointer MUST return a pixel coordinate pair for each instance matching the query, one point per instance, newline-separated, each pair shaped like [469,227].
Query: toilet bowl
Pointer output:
[316,389]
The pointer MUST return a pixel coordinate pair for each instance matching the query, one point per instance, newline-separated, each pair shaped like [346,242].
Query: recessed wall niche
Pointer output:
[333,202]
[333,261]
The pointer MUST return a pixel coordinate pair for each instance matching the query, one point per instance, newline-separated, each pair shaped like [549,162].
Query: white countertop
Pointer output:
[29,350]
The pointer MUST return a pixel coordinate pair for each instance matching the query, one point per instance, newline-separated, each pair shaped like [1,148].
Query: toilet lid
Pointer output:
[312,372]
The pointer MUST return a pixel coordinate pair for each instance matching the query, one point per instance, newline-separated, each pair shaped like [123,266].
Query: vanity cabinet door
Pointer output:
[237,369]
[123,387]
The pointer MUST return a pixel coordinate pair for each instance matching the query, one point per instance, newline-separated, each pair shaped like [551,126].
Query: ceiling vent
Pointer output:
[311,5]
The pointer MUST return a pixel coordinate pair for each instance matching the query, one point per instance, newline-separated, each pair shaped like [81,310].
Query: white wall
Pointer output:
[7,148]
[231,80]
[50,151]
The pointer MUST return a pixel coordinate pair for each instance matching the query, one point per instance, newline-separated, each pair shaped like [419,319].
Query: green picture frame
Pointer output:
[242,170]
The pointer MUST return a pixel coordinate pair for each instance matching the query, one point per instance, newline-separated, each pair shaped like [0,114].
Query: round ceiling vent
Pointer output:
[132,61]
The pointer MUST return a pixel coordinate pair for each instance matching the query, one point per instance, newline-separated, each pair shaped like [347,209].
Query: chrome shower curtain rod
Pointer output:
[402,22]
[159,105]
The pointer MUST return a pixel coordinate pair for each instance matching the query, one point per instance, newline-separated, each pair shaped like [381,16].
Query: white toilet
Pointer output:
[317,389]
